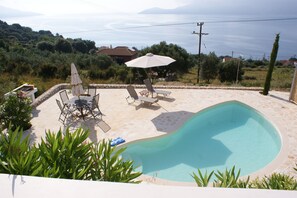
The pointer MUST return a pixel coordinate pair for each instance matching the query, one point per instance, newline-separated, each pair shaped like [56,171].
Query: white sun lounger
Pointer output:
[134,96]
[151,89]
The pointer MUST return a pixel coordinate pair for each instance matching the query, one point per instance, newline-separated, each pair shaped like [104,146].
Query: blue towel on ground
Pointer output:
[117,141]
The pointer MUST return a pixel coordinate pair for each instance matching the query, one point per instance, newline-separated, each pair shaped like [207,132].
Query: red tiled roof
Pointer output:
[117,51]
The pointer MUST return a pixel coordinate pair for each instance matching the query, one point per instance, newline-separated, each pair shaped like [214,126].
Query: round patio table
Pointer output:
[81,103]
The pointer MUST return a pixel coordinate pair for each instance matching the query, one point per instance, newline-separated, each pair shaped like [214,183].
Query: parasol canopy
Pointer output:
[150,60]
[76,83]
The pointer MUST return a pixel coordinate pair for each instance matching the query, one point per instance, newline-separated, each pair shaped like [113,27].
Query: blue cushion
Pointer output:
[117,141]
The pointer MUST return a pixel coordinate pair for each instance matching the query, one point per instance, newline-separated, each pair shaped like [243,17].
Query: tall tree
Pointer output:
[271,65]
[210,66]
[63,45]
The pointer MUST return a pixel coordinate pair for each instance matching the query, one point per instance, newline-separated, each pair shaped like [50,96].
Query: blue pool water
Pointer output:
[216,138]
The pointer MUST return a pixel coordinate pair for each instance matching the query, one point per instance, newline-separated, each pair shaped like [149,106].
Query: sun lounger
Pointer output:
[134,96]
[151,89]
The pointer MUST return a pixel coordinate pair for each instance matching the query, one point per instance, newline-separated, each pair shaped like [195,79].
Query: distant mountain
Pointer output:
[9,12]
[263,7]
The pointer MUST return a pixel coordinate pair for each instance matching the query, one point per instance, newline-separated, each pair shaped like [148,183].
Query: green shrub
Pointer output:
[16,111]
[109,166]
[228,71]
[47,71]
[276,181]
[16,156]
[63,45]
[67,156]
[44,45]
[226,179]
[229,179]
[202,180]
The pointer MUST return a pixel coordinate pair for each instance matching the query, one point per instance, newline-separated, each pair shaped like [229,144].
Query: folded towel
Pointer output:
[117,141]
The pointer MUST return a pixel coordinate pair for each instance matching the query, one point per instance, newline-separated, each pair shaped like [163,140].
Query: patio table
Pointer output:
[81,103]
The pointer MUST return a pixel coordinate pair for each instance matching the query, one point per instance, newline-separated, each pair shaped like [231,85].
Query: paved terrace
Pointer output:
[134,122]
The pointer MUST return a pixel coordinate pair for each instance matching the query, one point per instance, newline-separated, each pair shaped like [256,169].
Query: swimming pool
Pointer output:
[215,138]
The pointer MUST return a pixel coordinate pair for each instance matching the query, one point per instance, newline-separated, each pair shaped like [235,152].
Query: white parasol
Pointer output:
[150,60]
[76,82]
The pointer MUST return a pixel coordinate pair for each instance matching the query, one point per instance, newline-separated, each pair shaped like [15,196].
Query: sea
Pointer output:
[232,35]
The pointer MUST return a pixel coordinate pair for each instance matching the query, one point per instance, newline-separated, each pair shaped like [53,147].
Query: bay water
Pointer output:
[247,39]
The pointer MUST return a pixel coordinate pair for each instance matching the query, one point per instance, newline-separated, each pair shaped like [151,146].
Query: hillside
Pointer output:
[16,35]
[20,34]
[252,7]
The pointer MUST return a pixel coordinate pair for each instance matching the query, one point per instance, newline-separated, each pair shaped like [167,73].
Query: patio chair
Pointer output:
[91,91]
[65,111]
[134,96]
[151,89]
[64,97]
[94,106]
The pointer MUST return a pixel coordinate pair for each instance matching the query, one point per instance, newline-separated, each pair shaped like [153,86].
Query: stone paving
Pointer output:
[134,122]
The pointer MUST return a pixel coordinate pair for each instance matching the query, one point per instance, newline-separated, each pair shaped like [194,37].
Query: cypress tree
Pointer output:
[271,65]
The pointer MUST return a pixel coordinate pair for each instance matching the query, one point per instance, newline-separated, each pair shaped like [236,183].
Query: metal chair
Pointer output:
[65,111]
[91,91]
[94,106]
[64,97]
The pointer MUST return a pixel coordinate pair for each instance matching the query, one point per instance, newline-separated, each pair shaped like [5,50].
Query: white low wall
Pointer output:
[38,187]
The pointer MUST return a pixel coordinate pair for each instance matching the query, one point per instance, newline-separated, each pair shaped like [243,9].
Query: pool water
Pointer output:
[216,138]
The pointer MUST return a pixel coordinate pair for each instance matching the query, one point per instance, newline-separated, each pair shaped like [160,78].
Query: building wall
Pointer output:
[15,186]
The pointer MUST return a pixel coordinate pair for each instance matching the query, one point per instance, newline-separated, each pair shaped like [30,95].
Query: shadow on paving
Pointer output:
[171,121]
[89,124]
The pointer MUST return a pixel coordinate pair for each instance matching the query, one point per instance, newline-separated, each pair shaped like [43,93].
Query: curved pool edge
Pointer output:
[265,171]
[275,164]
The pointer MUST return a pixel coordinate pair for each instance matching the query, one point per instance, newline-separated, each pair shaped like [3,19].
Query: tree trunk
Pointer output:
[271,65]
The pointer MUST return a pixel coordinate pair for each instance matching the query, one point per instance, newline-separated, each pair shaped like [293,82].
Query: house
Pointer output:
[120,54]
[288,62]
[228,58]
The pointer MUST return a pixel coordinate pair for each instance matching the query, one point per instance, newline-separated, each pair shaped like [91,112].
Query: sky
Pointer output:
[89,6]
[52,7]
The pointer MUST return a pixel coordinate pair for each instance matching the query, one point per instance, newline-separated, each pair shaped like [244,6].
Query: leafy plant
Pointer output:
[16,155]
[244,183]
[276,181]
[66,156]
[16,112]
[202,180]
[227,179]
[109,166]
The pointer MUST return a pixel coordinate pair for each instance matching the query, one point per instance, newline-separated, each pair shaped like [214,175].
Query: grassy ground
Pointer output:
[281,78]
[253,77]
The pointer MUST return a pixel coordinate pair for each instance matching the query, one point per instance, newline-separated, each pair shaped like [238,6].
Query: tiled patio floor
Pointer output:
[133,122]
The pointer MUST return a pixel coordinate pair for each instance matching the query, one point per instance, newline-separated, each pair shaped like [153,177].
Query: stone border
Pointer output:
[46,95]
[53,90]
